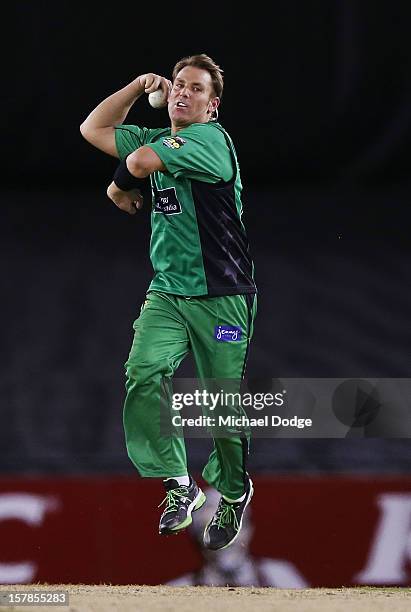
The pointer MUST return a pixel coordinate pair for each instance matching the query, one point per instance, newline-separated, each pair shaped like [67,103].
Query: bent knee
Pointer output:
[142,371]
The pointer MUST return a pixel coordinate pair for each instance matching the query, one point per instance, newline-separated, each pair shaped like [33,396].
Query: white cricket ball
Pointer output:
[158,98]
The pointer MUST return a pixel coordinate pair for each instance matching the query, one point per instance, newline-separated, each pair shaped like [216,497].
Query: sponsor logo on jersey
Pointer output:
[166,202]
[227,333]
[173,142]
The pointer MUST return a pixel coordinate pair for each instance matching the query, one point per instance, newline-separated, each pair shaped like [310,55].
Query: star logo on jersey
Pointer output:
[230,268]
[230,273]
[174,142]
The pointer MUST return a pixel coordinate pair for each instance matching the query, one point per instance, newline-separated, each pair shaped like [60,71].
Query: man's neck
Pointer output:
[177,128]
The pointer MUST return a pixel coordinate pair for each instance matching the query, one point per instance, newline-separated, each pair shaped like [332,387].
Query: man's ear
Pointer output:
[213,105]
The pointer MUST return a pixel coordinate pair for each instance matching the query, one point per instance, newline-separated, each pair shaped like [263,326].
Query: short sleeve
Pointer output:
[198,152]
[130,137]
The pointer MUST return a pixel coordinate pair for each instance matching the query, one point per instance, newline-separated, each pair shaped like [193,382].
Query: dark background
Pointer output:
[317,99]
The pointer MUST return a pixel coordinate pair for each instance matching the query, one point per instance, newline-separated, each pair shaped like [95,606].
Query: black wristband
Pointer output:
[123,178]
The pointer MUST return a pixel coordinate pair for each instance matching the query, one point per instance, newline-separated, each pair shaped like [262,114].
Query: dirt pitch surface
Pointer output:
[106,598]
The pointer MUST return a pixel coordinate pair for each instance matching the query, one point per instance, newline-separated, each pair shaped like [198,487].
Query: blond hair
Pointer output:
[204,62]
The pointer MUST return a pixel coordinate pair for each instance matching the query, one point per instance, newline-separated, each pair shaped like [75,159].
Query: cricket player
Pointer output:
[202,296]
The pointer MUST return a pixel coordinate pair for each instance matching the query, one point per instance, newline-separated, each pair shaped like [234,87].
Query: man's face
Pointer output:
[192,98]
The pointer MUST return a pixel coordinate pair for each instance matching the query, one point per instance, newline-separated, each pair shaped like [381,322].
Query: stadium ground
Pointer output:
[105,598]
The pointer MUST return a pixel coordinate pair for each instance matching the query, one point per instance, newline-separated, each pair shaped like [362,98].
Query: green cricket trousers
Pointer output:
[168,327]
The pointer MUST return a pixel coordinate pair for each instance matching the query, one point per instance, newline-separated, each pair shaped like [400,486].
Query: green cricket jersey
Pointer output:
[198,242]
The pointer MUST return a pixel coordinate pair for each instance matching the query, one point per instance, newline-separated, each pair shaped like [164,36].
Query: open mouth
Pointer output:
[181,105]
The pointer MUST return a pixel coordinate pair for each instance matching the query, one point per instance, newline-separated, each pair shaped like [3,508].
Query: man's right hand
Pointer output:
[129,201]
[151,82]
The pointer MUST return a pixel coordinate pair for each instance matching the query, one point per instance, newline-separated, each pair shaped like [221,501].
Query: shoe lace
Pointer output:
[172,498]
[225,515]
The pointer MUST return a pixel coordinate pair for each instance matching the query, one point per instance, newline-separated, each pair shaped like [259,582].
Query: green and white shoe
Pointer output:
[226,523]
[181,501]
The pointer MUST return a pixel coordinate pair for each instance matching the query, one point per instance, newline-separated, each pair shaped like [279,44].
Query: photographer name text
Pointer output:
[241,421]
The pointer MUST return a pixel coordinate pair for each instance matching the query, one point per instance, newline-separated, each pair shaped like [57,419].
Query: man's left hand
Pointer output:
[129,201]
